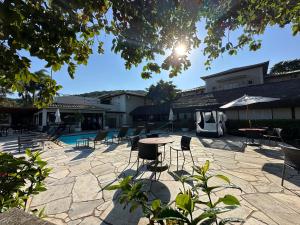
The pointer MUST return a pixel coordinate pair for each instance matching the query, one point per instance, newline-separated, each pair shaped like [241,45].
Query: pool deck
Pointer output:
[74,193]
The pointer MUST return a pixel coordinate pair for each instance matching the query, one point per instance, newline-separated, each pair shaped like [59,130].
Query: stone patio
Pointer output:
[74,193]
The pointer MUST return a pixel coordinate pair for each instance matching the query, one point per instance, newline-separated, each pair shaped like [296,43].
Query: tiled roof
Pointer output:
[122,93]
[74,106]
[237,69]
[287,91]
[151,110]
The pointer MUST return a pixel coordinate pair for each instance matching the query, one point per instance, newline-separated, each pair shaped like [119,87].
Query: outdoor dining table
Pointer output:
[250,131]
[159,141]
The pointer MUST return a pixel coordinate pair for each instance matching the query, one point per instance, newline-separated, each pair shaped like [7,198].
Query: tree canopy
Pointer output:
[285,66]
[163,92]
[64,32]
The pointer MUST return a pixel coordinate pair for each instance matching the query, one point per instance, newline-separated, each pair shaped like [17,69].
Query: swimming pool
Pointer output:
[70,139]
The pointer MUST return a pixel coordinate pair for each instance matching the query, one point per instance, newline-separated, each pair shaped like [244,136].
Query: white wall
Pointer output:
[262,114]
[282,113]
[235,80]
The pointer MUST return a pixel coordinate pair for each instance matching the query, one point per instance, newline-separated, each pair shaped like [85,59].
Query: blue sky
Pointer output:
[107,72]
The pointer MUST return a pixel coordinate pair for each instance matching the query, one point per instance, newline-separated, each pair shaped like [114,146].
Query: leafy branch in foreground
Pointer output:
[21,177]
[188,200]
[65,33]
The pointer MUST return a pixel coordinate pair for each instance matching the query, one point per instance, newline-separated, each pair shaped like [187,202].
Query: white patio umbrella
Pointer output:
[171,117]
[57,116]
[247,100]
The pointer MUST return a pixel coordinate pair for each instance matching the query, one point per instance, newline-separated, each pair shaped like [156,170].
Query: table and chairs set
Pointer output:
[153,149]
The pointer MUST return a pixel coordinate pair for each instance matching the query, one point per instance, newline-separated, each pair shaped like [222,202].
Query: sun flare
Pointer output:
[180,50]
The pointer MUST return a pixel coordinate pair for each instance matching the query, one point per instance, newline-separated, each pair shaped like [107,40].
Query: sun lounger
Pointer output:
[121,134]
[101,136]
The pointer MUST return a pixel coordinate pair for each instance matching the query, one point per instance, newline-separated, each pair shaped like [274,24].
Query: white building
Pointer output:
[91,113]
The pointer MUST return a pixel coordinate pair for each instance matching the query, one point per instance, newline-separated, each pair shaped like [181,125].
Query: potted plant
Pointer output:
[78,119]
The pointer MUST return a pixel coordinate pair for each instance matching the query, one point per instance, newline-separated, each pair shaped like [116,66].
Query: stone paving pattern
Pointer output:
[74,193]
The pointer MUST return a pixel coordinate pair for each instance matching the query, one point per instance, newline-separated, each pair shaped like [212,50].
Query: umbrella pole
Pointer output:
[249,121]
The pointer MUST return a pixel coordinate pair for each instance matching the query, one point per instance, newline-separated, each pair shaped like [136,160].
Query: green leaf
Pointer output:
[112,187]
[185,202]
[230,220]
[228,200]
[171,214]
[156,204]
[206,167]
[223,178]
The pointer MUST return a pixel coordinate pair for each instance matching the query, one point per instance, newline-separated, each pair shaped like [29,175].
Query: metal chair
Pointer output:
[134,145]
[152,135]
[185,146]
[148,152]
[291,159]
[274,136]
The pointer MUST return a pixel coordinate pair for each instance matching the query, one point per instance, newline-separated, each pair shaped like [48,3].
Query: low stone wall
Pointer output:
[17,217]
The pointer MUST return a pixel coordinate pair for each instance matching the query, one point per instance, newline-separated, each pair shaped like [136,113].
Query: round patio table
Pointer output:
[252,131]
[157,141]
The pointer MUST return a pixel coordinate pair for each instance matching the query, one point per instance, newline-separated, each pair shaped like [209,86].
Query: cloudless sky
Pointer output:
[107,72]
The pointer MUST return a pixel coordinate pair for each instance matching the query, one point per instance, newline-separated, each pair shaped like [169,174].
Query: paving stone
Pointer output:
[103,169]
[58,206]
[263,218]
[91,220]
[60,174]
[273,208]
[86,188]
[74,222]
[54,192]
[83,209]
[253,221]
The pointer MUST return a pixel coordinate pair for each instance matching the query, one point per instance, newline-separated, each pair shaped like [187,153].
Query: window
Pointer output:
[106,101]
[250,81]
[214,88]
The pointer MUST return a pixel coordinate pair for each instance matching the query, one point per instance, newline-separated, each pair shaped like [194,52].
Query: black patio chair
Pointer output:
[134,145]
[148,152]
[101,136]
[152,135]
[291,159]
[185,146]
[121,134]
[138,131]
[275,135]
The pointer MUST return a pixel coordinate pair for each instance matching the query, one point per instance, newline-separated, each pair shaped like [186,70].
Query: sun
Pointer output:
[180,50]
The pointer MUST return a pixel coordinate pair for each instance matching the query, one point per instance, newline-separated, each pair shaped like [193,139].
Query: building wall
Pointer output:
[235,80]
[297,113]
[263,114]
[132,102]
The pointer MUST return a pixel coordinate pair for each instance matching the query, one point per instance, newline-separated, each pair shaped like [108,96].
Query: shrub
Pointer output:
[21,177]
[183,210]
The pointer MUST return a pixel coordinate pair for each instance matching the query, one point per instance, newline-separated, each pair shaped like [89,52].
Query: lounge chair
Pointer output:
[101,136]
[291,159]
[138,131]
[121,134]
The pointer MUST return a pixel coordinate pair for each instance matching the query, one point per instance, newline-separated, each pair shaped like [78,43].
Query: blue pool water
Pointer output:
[71,139]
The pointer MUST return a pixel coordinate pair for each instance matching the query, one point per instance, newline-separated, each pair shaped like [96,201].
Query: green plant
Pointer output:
[182,209]
[21,177]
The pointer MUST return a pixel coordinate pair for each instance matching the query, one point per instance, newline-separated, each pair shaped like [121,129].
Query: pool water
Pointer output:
[72,138]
